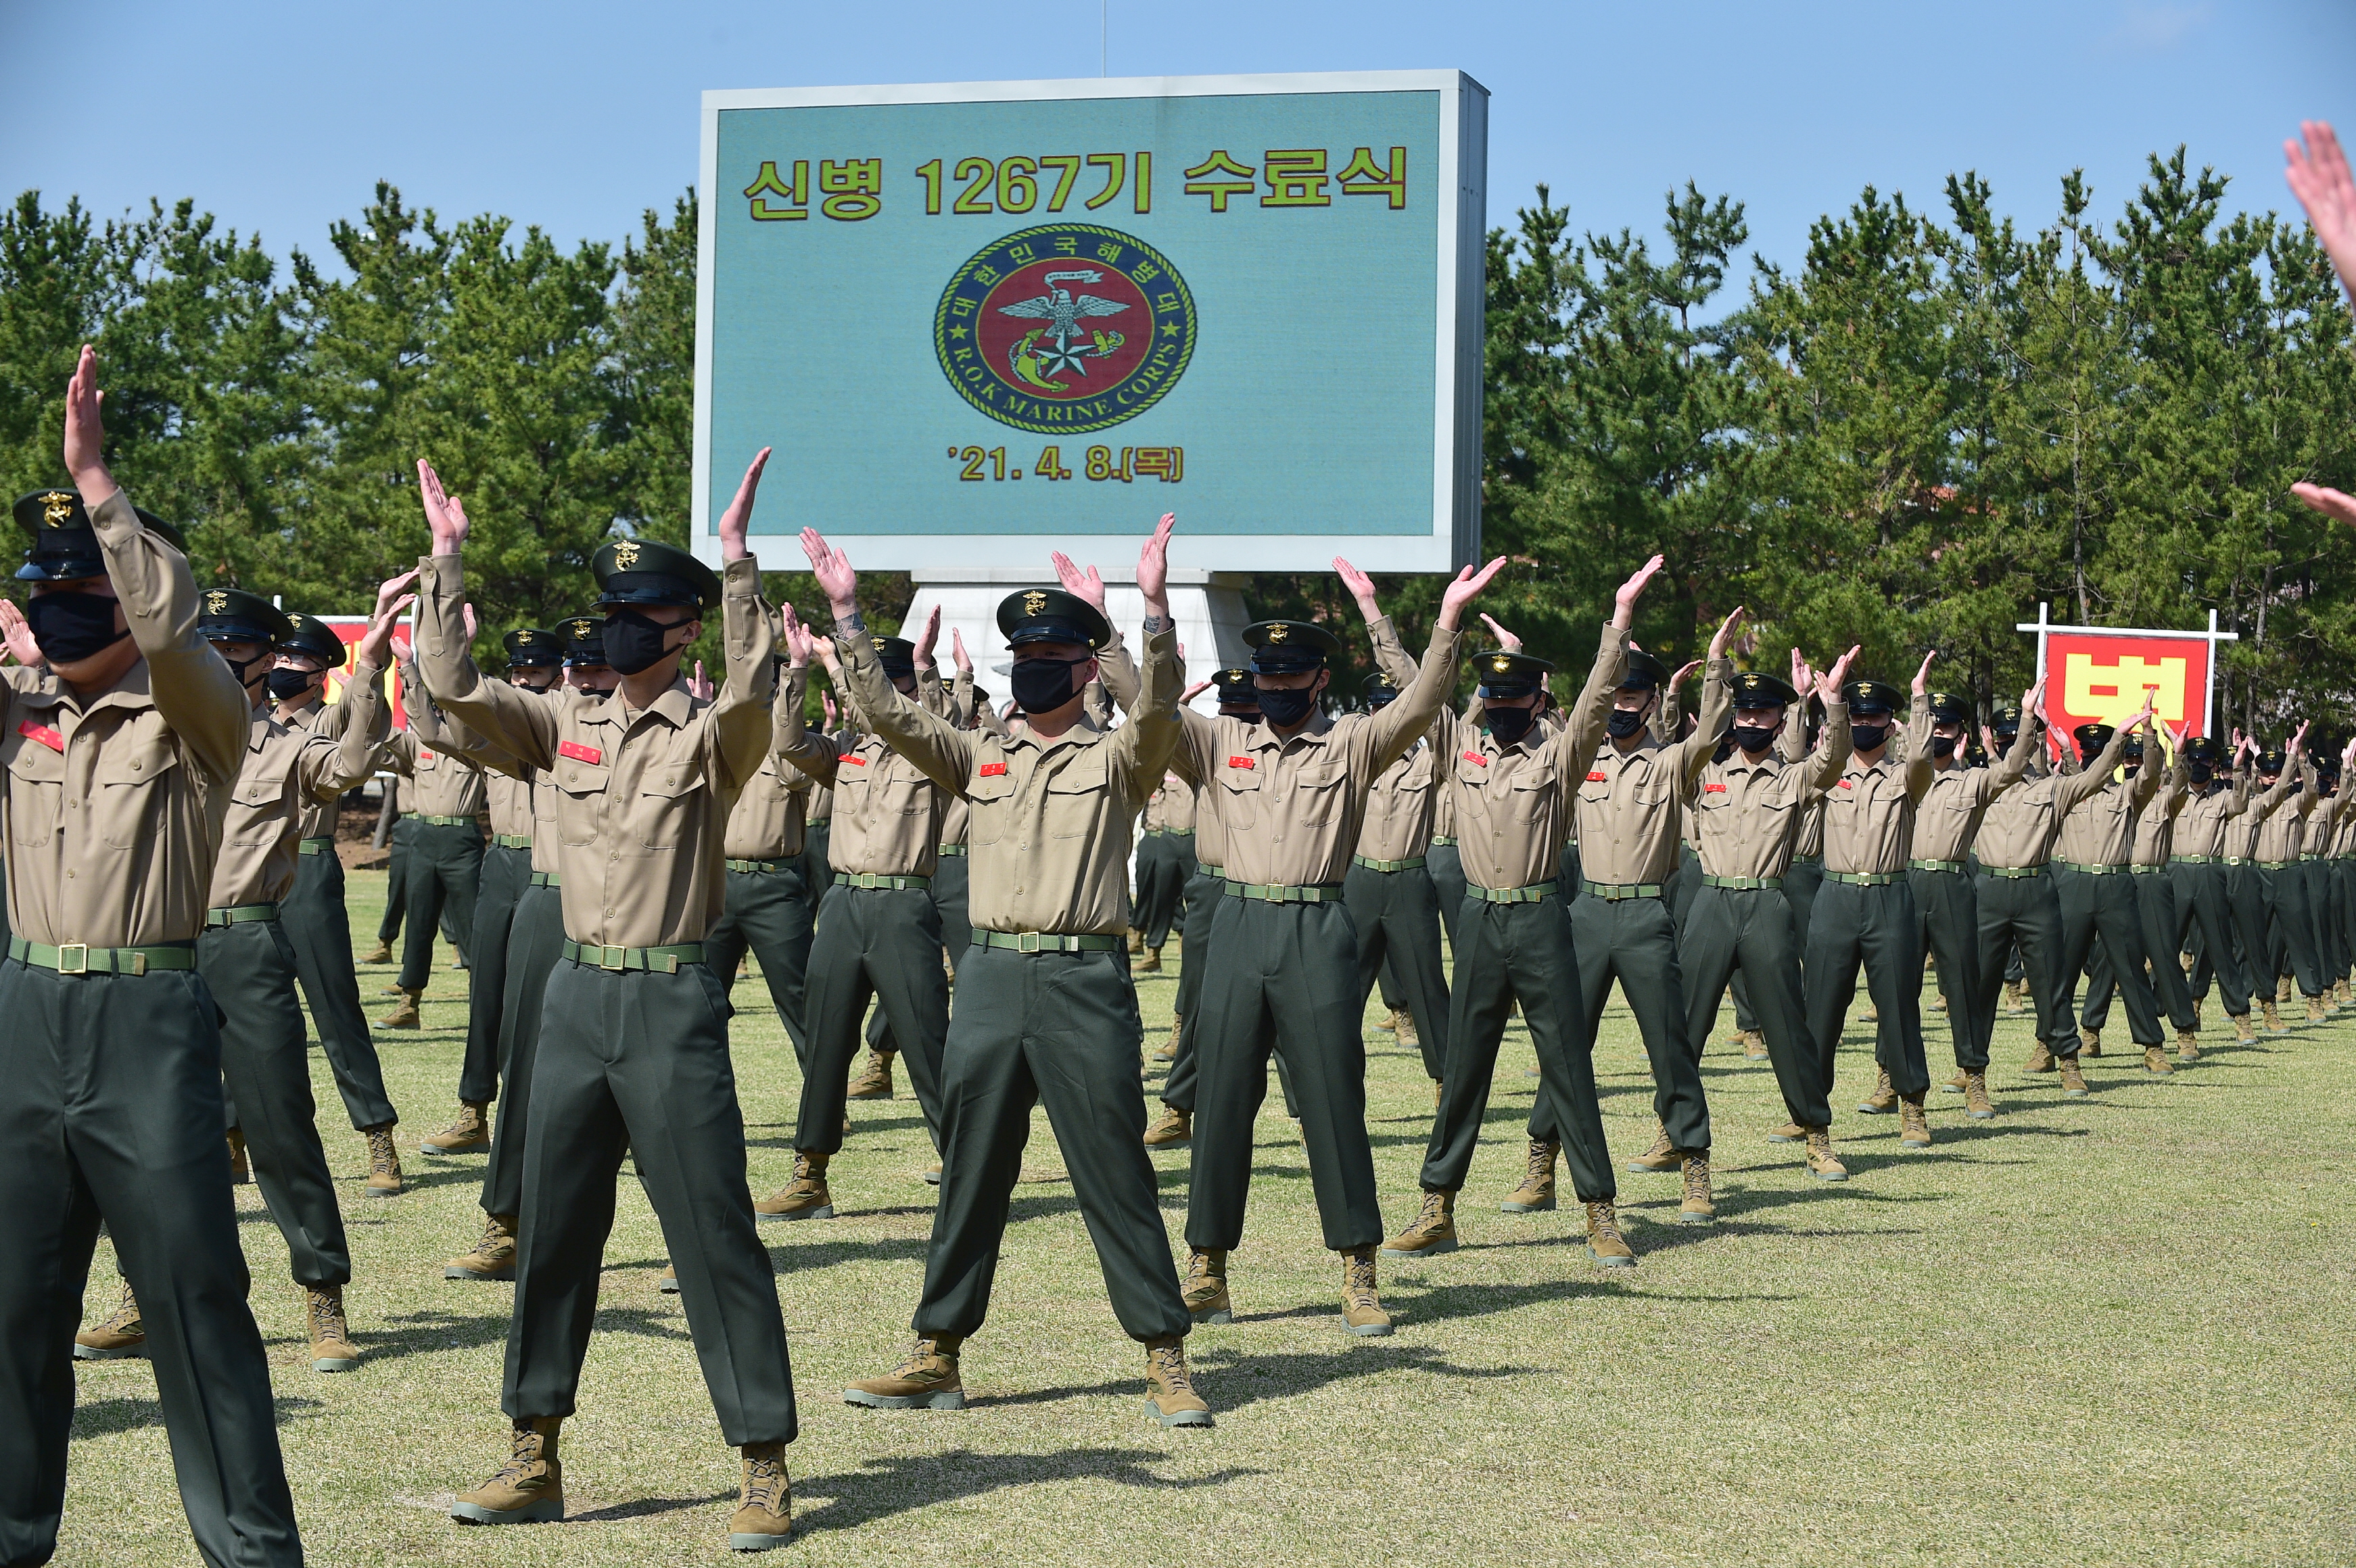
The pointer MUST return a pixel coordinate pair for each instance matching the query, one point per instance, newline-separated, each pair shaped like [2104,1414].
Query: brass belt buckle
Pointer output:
[1027,942]
[613,960]
[74,958]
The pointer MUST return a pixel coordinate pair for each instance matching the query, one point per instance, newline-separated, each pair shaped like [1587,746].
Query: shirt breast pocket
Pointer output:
[990,798]
[36,778]
[1533,790]
[131,770]
[1321,793]
[1239,799]
[671,792]
[1076,793]
[257,814]
[580,798]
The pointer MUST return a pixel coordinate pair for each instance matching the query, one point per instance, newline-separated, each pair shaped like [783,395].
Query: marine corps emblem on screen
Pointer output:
[1067,327]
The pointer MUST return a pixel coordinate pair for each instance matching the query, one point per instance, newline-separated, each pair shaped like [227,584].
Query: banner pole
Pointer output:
[2209,696]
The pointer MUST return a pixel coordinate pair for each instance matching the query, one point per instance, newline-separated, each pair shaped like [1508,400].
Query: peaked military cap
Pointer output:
[2005,718]
[1508,674]
[980,698]
[1051,615]
[1870,697]
[645,571]
[2273,762]
[1755,689]
[65,544]
[585,640]
[2091,738]
[1284,647]
[532,647]
[1976,755]
[1380,692]
[897,655]
[231,614]
[2204,749]
[314,637]
[1950,708]
[1643,672]
[1236,688]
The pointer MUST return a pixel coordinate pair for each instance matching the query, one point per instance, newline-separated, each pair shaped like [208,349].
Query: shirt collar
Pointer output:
[1263,739]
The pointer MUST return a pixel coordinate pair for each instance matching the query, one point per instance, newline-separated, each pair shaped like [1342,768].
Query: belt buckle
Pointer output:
[1027,942]
[613,960]
[80,961]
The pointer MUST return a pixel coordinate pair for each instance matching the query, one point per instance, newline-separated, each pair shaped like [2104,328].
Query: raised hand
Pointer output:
[1623,613]
[698,684]
[1725,631]
[737,521]
[17,634]
[826,701]
[2325,499]
[835,578]
[1462,592]
[1804,677]
[1153,568]
[927,637]
[1830,684]
[1685,673]
[1362,589]
[2317,173]
[1505,639]
[444,518]
[1923,676]
[392,597]
[466,612]
[1193,692]
[2299,742]
[956,652]
[1089,585]
[798,638]
[85,444]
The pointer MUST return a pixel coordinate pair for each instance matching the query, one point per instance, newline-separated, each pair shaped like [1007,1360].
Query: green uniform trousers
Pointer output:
[769,912]
[818,873]
[2291,920]
[1801,885]
[1878,928]
[885,945]
[396,878]
[1949,906]
[1397,917]
[1046,1029]
[111,1109]
[1524,952]
[1684,882]
[2329,966]
[1446,866]
[2026,912]
[1205,890]
[952,882]
[2105,907]
[317,924]
[446,869]
[266,1073]
[1286,981]
[506,873]
[1749,930]
[2245,888]
[535,946]
[639,1060]
[2204,923]
[2154,899]
[2343,892]
[1634,941]
[1165,861]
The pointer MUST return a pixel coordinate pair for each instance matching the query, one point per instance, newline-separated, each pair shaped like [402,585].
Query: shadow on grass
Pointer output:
[104,1417]
[643,1508]
[438,1328]
[901,1484]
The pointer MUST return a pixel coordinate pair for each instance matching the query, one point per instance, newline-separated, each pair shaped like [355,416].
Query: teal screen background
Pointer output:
[1307,408]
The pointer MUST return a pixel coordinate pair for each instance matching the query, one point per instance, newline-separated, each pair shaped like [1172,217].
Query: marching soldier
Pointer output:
[2155,898]
[312,916]
[403,834]
[767,907]
[2092,881]
[2282,795]
[1165,858]
[1044,1004]
[1512,788]
[633,1046]
[444,797]
[2205,906]
[112,1108]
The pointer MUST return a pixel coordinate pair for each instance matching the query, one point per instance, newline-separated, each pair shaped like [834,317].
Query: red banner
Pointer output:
[351,629]
[2102,678]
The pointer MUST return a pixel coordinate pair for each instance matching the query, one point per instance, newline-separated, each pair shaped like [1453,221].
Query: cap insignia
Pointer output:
[215,603]
[1278,632]
[1501,664]
[1034,603]
[584,628]
[625,555]
[523,636]
[57,508]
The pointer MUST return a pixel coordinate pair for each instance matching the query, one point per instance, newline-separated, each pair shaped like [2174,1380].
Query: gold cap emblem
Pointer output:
[523,636]
[1501,664]
[626,554]
[1034,601]
[215,603]
[584,628]
[1278,632]
[57,508]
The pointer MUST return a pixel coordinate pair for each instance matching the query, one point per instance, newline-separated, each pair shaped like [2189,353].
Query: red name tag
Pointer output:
[1713,789]
[579,753]
[1599,778]
[1241,762]
[43,733]
[847,757]
[1846,784]
[1476,757]
[992,770]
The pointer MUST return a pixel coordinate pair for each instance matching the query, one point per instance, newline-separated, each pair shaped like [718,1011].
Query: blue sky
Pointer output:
[279,117]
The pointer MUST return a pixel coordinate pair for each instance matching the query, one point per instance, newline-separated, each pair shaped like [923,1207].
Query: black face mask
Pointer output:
[1284,709]
[285,685]
[1042,686]
[1754,738]
[1867,737]
[71,626]
[1624,723]
[2202,773]
[1943,745]
[242,668]
[634,642]
[1510,724]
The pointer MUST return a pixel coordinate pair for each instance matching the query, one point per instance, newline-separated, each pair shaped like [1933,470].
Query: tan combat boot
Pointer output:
[119,1337]
[1390,1024]
[1976,1103]
[1171,1128]
[764,1501]
[1939,1002]
[1169,1051]
[933,1177]
[1152,963]
[2342,994]
[2073,1081]
[2282,989]
[240,1169]
[1170,1396]
[2316,1011]
[1362,1309]
[1536,1194]
[469,1132]
[1604,1243]
[384,1162]
[1661,1157]
[1872,1015]
[332,1350]
[2155,1060]
[2200,1006]
[1403,1025]
[667,1283]
[1754,1046]
[2274,1019]
[528,1488]
[2187,1045]
[1913,1125]
[1883,1097]
[803,1198]
[404,1013]
[1205,1289]
[1697,1209]
[2041,1060]
[1958,1084]
[1430,1232]
[1822,1164]
[2013,999]
[926,1379]
[2090,1041]
[493,1257]
[874,1080]
[1789,1133]
[380,954]
[2242,1031]
[1136,943]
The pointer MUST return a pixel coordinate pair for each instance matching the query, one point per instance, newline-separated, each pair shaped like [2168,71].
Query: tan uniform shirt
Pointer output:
[888,813]
[643,794]
[2100,829]
[767,823]
[286,770]
[2322,827]
[2020,826]
[1402,803]
[328,719]
[1049,836]
[2155,830]
[2280,814]
[1171,809]
[1511,802]
[1293,807]
[1747,815]
[1948,815]
[1631,803]
[114,803]
[2202,824]
[1870,810]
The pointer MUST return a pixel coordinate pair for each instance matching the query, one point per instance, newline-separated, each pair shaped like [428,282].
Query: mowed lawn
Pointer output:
[2104,1331]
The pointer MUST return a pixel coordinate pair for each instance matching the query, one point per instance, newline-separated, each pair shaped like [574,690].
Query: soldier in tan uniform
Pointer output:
[444,796]
[1165,858]
[2155,900]
[2090,880]
[633,1047]
[2204,907]
[1043,999]
[768,907]
[2268,785]
[2279,817]
[117,762]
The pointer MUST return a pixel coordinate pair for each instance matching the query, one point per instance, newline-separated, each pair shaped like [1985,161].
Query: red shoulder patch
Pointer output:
[1599,778]
[579,753]
[1846,784]
[1244,762]
[1713,789]
[1476,757]
[990,770]
[43,733]
[851,757]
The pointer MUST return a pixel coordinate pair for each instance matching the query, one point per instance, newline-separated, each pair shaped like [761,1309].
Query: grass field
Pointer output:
[2102,1331]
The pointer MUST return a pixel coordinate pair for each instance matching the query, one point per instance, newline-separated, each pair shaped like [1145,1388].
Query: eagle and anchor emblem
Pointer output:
[1065,328]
